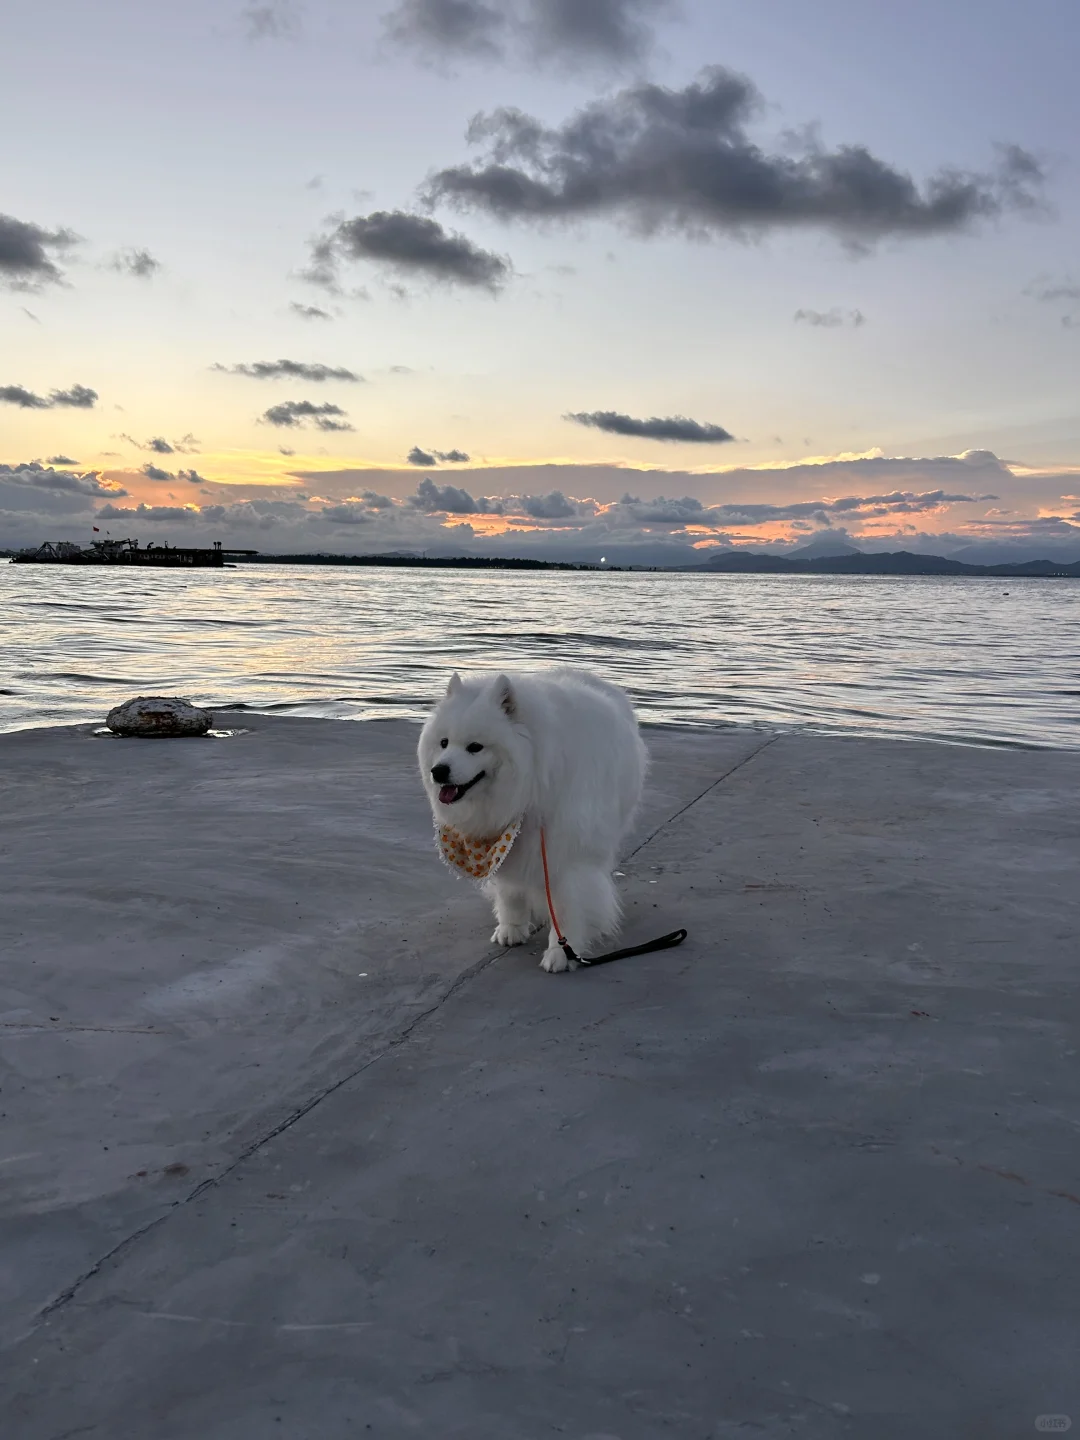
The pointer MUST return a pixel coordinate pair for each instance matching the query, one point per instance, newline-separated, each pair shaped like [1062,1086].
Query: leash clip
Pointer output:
[570,953]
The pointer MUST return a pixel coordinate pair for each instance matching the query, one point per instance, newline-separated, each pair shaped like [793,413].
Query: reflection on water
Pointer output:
[981,661]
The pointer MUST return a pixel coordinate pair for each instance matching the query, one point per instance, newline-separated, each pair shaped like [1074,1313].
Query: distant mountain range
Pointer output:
[822,546]
[730,562]
[854,562]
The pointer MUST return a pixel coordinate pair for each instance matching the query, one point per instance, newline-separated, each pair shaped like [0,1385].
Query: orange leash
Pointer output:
[559,936]
[665,942]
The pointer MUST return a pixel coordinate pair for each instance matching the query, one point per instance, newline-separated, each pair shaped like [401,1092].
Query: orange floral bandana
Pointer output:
[478,859]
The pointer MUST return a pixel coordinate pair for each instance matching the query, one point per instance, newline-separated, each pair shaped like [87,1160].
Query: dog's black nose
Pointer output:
[440,774]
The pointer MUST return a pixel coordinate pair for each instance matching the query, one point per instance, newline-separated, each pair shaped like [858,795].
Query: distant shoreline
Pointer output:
[895,563]
[898,563]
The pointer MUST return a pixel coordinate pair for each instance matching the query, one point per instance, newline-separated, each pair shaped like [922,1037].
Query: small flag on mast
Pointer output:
[95,530]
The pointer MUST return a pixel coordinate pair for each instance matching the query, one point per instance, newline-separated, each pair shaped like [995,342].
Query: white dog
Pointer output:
[556,751]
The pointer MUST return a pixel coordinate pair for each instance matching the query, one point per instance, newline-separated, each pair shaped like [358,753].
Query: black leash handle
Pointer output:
[664,942]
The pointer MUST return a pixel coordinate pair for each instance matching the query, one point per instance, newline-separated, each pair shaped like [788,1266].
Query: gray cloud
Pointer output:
[864,507]
[291,413]
[288,525]
[830,319]
[682,161]
[139,263]
[309,312]
[416,456]
[677,513]
[598,30]
[553,506]
[347,514]
[192,477]
[323,267]
[411,245]
[446,499]
[608,483]
[158,445]
[452,500]
[25,399]
[661,511]
[144,512]
[61,460]
[79,397]
[457,27]
[883,504]
[271,20]
[673,427]
[290,370]
[36,476]
[25,259]
[1050,290]
[154,472]
[575,32]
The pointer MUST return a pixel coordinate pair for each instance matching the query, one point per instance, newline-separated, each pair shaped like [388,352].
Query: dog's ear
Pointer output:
[455,684]
[504,694]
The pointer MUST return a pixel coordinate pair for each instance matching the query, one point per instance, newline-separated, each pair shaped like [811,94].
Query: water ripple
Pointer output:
[938,658]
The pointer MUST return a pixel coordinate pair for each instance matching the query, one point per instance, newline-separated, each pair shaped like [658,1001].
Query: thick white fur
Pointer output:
[561,749]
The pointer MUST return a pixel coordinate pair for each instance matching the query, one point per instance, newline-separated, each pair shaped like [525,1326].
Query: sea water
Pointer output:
[978,661]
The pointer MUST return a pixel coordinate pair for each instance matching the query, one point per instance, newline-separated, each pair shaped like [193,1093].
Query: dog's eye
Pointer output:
[443,744]
[474,748]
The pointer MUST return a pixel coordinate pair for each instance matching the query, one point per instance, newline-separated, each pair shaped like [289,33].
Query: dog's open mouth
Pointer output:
[448,794]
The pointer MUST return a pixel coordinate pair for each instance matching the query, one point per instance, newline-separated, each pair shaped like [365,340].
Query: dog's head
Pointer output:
[473,757]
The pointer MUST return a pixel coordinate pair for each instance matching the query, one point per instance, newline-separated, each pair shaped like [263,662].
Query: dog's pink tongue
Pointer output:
[448,794]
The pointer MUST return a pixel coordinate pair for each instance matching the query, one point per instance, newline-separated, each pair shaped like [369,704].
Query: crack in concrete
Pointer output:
[62,1029]
[69,1294]
[708,789]
[73,1289]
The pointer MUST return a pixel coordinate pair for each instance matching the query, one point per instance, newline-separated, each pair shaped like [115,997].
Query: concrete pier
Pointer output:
[288,1149]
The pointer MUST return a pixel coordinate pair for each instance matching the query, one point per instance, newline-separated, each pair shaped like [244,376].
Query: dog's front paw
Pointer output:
[554,961]
[511,934]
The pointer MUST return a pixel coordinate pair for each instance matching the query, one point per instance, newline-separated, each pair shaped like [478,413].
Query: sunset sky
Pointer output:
[565,278]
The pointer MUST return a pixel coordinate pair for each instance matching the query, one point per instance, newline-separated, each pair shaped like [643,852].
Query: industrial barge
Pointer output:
[127,552]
